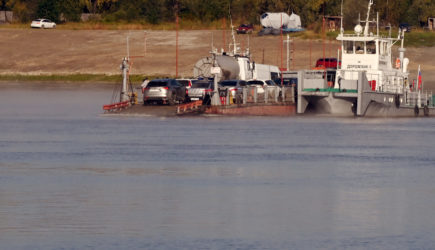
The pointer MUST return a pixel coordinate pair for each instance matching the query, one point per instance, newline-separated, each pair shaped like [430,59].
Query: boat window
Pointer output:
[371,47]
[359,47]
[348,47]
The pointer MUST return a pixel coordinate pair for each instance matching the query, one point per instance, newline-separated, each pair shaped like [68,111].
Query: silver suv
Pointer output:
[164,91]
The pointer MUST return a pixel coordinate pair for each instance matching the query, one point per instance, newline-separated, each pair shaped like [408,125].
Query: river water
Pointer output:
[72,178]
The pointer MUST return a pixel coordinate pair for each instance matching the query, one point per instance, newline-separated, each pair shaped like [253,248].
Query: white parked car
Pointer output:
[262,85]
[43,24]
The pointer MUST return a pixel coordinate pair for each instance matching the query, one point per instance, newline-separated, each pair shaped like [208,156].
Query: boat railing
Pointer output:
[395,89]
[376,82]
[315,79]
[419,99]
[252,95]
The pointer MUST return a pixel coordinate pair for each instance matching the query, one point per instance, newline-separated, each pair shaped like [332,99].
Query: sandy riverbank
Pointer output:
[31,51]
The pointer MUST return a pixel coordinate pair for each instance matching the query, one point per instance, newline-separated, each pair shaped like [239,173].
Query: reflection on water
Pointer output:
[72,178]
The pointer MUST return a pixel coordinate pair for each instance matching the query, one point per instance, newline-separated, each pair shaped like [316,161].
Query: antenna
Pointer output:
[128,47]
[377,23]
[341,23]
[212,41]
[366,28]
[232,32]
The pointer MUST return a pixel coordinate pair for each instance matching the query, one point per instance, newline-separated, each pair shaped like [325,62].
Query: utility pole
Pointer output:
[176,40]
[288,41]
[125,74]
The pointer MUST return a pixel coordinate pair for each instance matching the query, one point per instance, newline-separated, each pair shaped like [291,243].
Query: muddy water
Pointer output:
[72,178]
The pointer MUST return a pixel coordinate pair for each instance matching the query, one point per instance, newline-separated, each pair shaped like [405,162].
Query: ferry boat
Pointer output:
[367,83]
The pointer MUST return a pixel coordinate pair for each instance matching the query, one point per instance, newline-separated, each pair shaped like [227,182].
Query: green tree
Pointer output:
[150,11]
[419,11]
[98,6]
[49,9]
[24,10]
[206,11]
[71,10]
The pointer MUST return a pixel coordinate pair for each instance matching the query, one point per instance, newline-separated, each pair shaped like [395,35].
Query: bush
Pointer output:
[49,9]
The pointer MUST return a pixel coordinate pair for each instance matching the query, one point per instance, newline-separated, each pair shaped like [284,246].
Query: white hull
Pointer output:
[331,105]
[341,107]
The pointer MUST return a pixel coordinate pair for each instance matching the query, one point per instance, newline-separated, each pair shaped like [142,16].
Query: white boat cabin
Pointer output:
[364,51]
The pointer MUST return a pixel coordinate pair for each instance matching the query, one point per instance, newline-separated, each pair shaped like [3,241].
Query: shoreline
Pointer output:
[73,78]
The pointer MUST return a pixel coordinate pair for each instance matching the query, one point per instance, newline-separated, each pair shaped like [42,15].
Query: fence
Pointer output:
[419,99]
[255,95]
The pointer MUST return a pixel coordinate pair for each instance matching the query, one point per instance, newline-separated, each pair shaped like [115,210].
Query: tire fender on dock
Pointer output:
[426,110]
[397,101]
[416,110]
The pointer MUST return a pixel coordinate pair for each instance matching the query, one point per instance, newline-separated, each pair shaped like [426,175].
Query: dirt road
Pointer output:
[33,51]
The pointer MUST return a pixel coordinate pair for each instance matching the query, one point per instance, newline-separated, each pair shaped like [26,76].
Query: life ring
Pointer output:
[397,63]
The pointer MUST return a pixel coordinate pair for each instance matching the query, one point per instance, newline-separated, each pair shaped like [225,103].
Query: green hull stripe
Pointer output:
[332,90]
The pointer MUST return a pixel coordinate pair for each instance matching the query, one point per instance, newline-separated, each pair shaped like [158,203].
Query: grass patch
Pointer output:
[420,39]
[415,38]
[312,35]
[82,78]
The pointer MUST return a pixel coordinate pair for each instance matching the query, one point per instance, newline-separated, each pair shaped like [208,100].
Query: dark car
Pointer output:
[245,29]
[328,63]
[235,87]
[405,26]
[186,82]
[165,91]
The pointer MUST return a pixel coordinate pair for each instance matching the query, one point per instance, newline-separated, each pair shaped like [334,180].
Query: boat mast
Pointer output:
[366,28]
[341,23]
[125,74]
[234,37]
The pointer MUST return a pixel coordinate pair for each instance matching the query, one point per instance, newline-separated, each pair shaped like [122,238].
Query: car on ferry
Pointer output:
[164,91]
[234,86]
[186,82]
[199,89]
[263,85]
[43,24]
